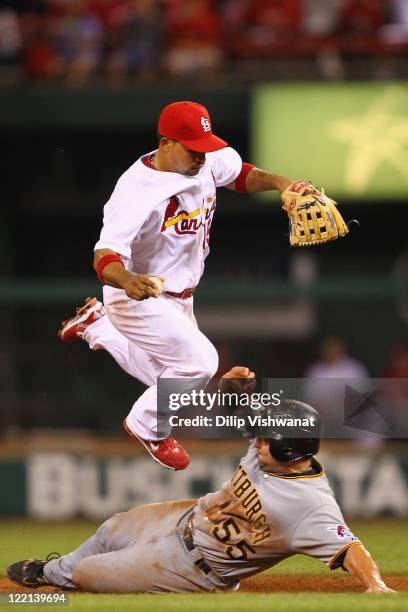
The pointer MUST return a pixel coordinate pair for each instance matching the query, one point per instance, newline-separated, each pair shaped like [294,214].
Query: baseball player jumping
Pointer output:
[150,257]
[278,503]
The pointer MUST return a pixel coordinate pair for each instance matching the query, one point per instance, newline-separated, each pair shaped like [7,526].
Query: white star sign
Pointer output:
[378,137]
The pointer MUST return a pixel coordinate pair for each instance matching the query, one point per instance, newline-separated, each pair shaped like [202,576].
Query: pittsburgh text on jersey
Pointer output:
[246,525]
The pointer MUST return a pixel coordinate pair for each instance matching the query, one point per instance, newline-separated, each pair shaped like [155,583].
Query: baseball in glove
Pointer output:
[313,217]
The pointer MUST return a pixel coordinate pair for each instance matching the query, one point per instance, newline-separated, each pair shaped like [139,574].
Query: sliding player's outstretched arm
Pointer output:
[360,564]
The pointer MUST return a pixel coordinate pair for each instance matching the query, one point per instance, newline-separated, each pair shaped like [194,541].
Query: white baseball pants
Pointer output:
[157,337]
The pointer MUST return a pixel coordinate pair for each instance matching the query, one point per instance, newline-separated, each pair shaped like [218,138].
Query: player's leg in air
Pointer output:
[91,324]
[162,341]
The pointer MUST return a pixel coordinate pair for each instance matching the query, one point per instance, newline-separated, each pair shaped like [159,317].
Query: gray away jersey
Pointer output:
[257,519]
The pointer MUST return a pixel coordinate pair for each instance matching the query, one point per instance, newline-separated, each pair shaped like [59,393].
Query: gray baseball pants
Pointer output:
[140,551]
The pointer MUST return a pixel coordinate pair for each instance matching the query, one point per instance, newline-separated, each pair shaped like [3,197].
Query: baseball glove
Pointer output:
[313,217]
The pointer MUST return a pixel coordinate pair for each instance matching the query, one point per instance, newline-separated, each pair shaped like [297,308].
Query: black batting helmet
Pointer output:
[293,428]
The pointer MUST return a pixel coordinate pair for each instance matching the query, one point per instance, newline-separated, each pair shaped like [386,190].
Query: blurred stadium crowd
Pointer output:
[79,40]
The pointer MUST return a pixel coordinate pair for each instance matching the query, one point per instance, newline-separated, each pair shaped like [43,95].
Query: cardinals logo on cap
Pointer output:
[206,124]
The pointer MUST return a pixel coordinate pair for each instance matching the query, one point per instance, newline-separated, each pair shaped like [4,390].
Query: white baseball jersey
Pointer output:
[159,222]
[258,519]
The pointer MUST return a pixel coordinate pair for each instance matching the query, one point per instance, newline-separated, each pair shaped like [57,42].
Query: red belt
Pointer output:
[183,295]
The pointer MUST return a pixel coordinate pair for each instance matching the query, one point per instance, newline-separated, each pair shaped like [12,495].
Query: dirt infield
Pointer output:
[314,584]
[6,586]
[269,584]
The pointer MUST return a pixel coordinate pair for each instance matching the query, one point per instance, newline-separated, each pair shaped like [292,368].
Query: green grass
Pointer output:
[257,602]
[275,602]
[386,539]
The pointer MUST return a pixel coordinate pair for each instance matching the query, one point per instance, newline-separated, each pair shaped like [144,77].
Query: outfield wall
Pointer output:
[58,484]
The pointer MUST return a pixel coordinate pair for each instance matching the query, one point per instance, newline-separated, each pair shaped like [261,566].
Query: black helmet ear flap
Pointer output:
[287,450]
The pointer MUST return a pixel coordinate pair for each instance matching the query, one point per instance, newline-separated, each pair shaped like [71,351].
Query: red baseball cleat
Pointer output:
[73,328]
[169,453]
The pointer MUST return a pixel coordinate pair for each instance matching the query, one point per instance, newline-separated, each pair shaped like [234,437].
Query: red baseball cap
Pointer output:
[190,124]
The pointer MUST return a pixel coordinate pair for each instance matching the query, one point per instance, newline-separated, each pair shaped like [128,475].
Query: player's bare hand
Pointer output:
[141,287]
[239,379]
[239,372]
